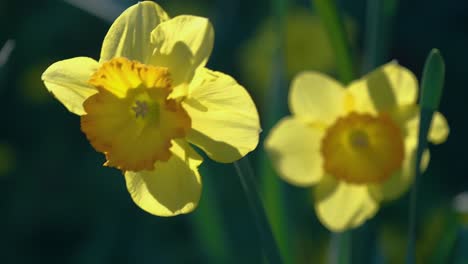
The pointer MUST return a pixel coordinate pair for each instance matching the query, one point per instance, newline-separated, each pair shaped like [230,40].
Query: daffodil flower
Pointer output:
[149,97]
[356,145]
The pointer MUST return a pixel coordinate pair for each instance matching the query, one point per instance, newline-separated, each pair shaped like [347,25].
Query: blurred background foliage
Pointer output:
[59,205]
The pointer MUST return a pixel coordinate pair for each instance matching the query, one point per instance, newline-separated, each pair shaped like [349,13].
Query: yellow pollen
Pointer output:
[131,119]
[361,148]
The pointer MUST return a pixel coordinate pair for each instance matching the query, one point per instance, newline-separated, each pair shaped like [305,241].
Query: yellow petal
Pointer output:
[68,81]
[341,206]
[172,188]
[316,96]
[385,88]
[294,148]
[182,44]
[439,129]
[129,35]
[401,180]
[225,122]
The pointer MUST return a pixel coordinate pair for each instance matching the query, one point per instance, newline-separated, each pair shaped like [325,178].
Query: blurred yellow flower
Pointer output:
[148,97]
[310,51]
[356,145]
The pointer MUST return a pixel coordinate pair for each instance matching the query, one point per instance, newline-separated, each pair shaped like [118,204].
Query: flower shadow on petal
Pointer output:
[196,104]
[179,60]
[328,186]
[341,206]
[380,91]
[212,147]
[209,144]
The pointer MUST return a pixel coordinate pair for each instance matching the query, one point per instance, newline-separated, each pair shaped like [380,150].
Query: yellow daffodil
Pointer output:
[311,51]
[356,145]
[149,97]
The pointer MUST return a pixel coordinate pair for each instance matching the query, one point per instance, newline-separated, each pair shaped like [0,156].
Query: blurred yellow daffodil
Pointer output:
[311,51]
[356,145]
[149,97]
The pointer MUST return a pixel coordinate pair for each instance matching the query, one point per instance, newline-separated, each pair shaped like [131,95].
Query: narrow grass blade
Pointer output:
[432,81]
[431,92]
[267,239]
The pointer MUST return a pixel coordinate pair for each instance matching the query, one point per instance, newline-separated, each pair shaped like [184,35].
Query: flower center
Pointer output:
[131,119]
[361,148]
[140,108]
[358,139]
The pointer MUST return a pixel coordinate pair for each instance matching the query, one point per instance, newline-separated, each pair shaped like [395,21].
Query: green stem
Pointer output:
[272,187]
[333,23]
[379,20]
[426,117]
[344,245]
[272,192]
[461,244]
[267,239]
[431,92]
[374,37]
[208,225]
[340,248]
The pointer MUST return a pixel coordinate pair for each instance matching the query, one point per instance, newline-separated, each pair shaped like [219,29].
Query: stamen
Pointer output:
[361,148]
[140,108]
[359,139]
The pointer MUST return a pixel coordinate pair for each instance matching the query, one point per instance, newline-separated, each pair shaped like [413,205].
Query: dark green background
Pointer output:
[59,205]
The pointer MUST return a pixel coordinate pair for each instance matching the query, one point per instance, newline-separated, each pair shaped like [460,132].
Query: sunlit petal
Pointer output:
[225,121]
[387,87]
[182,44]
[294,148]
[316,96]
[340,205]
[68,80]
[172,188]
[129,35]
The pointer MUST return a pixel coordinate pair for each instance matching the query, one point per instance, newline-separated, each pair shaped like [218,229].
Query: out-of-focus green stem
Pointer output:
[373,39]
[461,254]
[379,20]
[267,239]
[431,92]
[340,252]
[334,25]
[272,193]
[332,20]
[272,187]
[208,225]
